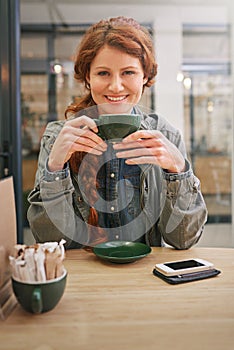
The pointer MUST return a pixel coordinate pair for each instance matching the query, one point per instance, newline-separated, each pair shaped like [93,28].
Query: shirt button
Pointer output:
[57,178]
[112,175]
[112,208]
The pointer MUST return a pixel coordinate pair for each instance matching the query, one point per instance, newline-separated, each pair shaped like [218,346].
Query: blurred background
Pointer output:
[194,88]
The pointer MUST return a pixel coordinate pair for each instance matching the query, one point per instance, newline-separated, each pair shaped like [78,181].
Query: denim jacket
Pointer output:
[172,209]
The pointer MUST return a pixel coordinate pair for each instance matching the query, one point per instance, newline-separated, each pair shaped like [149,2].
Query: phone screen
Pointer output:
[184,264]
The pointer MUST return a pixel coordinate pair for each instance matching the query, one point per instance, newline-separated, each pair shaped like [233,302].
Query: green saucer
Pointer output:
[121,252]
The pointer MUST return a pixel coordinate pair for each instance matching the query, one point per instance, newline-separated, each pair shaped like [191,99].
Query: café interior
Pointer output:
[193,88]
[122,306]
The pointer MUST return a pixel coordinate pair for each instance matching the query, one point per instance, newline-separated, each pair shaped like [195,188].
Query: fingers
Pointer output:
[82,122]
[141,143]
[83,148]
[88,138]
[77,135]
[150,147]
[137,152]
[86,144]
[141,138]
[82,131]
[142,160]
[142,134]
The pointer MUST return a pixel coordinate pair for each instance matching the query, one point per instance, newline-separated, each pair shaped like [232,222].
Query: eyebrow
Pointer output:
[128,67]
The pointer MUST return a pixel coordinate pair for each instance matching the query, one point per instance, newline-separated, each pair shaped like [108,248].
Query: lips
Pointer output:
[116,98]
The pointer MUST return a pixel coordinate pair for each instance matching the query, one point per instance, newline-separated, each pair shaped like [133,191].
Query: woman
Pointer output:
[141,189]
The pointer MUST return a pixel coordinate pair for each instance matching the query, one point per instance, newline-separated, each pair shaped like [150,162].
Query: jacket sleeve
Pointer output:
[51,215]
[183,213]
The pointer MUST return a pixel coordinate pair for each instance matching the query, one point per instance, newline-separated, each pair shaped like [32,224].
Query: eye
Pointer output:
[103,73]
[128,72]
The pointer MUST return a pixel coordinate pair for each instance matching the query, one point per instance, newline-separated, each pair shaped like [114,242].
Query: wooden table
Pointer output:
[125,307]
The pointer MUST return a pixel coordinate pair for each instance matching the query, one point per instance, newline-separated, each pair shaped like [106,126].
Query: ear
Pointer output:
[145,79]
[88,78]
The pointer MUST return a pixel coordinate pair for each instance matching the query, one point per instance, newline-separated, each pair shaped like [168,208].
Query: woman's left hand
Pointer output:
[151,147]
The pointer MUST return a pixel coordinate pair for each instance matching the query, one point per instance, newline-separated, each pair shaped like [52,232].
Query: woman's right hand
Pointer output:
[77,135]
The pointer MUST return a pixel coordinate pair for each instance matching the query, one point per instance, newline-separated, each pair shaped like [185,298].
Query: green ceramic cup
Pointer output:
[37,297]
[117,126]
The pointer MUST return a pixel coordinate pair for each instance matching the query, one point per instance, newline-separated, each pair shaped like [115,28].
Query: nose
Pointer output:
[116,84]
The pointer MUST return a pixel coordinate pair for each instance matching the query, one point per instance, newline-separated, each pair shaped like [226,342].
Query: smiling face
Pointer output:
[116,80]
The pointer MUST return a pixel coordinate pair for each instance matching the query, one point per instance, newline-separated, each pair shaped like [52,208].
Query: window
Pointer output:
[208,113]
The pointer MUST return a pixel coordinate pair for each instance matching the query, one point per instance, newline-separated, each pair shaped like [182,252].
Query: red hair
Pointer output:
[124,34]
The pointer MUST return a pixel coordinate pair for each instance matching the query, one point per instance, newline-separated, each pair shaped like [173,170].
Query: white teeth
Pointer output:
[116,98]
